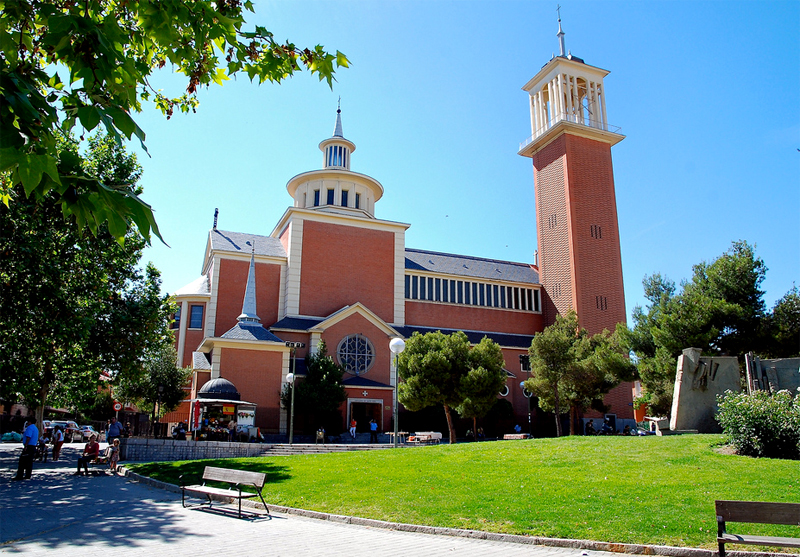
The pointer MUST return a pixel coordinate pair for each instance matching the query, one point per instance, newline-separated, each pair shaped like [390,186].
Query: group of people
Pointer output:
[373,430]
[32,442]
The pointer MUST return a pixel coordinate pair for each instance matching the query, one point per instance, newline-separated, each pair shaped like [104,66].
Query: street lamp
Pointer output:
[290,378]
[396,345]
[527,394]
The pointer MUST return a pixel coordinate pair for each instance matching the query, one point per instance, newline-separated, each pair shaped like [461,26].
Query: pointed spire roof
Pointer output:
[337,131]
[560,33]
[249,305]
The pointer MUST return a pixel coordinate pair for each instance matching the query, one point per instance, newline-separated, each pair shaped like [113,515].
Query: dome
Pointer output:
[219,388]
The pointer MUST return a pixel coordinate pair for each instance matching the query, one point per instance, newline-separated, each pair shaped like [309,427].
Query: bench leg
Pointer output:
[721,549]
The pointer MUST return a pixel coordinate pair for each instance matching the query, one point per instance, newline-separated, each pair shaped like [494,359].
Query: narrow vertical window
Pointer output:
[536,300]
[344,198]
[461,292]
[502,296]
[358,201]
[495,301]
[330,197]
[176,323]
[421,288]
[516,298]
[452,291]
[444,290]
[430,289]
[438,297]
[414,288]
[483,297]
[196,317]
[474,293]
[530,299]
[408,286]
[316,198]
[467,297]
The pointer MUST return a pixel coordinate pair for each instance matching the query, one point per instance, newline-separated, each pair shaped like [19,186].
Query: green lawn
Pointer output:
[651,490]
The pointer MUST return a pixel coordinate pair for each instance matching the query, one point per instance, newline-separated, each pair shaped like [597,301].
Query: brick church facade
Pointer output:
[331,271]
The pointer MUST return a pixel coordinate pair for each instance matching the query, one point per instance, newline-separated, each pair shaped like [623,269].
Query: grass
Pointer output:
[650,490]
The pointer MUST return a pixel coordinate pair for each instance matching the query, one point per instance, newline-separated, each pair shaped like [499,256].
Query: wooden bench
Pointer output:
[512,436]
[235,480]
[757,513]
[425,437]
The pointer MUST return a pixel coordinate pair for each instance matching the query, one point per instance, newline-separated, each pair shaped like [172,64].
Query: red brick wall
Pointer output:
[471,318]
[555,261]
[620,400]
[257,376]
[193,338]
[580,261]
[600,296]
[230,293]
[343,265]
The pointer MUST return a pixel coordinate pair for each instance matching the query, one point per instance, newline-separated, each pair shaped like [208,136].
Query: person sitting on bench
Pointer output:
[90,453]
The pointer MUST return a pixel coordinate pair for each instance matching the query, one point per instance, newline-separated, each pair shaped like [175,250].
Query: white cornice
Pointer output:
[335,218]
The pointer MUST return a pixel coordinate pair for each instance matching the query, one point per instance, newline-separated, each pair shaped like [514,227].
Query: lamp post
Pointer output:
[158,414]
[396,345]
[290,378]
[527,394]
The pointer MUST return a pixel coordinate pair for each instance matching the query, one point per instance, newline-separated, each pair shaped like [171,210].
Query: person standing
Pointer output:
[114,431]
[353,425]
[373,431]
[58,440]
[30,439]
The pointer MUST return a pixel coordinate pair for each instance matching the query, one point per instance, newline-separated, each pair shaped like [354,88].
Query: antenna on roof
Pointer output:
[560,34]
[216,214]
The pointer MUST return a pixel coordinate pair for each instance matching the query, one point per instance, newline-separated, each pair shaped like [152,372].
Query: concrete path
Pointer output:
[77,516]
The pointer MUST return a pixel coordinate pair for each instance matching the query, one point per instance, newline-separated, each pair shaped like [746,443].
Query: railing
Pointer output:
[574,118]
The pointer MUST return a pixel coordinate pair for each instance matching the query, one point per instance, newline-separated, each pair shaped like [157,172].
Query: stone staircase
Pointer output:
[284,449]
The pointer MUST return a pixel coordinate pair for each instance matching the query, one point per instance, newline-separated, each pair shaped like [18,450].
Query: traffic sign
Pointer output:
[117,406]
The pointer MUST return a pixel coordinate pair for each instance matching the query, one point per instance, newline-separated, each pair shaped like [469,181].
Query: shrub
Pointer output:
[761,424]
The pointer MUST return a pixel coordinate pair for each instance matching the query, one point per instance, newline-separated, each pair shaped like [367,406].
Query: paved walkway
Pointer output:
[77,516]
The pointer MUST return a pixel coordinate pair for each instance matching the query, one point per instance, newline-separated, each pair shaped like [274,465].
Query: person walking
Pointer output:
[30,439]
[58,440]
[353,425]
[373,431]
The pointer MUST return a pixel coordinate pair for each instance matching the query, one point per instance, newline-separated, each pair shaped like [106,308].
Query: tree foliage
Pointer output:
[443,369]
[571,369]
[320,392]
[90,63]
[71,303]
[721,311]
[160,380]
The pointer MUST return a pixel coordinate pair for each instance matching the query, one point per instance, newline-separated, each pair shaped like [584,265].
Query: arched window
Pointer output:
[356,354]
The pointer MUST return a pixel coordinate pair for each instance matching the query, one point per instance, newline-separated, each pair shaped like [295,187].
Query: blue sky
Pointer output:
[706,94]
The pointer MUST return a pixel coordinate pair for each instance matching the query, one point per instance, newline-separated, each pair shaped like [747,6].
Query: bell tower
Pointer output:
[576,210]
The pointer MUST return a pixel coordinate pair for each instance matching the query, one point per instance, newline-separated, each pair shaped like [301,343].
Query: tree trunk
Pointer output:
[572,417]
[474,428]
[450,426]
[557,408]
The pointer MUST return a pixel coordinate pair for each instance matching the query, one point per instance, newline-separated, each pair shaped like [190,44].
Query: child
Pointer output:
[113,456]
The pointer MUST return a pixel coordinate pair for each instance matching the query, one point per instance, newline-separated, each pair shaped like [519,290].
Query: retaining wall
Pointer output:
[139,449]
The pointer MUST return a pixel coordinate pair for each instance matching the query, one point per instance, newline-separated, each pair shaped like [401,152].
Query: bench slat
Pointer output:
[759,540]
[218,491]
[758,512]
[257,479]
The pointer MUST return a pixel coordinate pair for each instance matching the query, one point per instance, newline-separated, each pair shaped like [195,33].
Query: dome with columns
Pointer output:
[335,188]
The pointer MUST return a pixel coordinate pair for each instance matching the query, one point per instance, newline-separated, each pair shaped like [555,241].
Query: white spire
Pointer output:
[337,131]
[249,305]
[560,34]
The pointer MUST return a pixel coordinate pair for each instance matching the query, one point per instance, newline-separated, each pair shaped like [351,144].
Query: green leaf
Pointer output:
[30,169]
[89,117]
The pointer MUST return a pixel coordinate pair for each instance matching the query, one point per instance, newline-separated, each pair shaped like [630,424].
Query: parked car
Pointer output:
[88,431]
[72,432]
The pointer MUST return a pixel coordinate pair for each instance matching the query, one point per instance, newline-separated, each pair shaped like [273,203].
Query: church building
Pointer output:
[331,270]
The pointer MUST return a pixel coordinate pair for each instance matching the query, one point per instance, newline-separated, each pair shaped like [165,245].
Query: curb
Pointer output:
[626,548]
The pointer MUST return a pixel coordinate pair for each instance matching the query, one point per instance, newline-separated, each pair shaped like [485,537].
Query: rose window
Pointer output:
[356,354]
